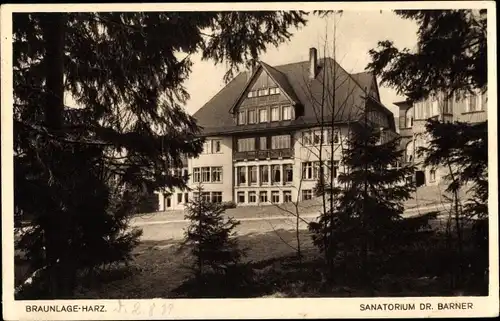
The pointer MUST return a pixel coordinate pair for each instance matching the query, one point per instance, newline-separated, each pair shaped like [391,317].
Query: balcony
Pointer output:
[263,154]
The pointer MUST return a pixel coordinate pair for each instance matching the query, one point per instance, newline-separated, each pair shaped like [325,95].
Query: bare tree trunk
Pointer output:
[55,242]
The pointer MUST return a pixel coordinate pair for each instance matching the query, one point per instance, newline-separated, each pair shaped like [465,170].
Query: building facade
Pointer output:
[412,119]
[266,130]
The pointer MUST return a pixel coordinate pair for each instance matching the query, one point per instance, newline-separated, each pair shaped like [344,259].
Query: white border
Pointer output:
[238,308]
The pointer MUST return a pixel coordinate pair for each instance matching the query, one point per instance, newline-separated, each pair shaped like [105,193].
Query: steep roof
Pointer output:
[346,102]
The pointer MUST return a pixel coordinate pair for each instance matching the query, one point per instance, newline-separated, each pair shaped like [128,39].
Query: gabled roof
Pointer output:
[347,103]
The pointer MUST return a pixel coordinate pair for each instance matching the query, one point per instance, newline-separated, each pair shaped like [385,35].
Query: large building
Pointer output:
[264,128]
[412,119]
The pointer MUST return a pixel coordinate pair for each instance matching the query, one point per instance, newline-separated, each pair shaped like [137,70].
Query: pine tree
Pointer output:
[126,72]
[368,200]
[211,236]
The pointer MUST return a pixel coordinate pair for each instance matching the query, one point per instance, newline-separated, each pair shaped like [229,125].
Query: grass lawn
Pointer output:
[161,270]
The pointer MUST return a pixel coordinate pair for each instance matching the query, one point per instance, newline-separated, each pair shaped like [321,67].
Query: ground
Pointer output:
[161,265]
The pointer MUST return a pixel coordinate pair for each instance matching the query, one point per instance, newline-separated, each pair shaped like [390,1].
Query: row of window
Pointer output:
[263,197]
[433,107]
[277,142]
[181,198]
[263,92]
[313,137]
[311,170]
[207,174]
[260,115]
[212,146]
[264,174]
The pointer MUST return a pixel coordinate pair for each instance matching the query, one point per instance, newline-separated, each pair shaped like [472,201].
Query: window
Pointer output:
[241,197]
[179,198]
[317,137]
[306,194]
[335,169]
[246,144]
[185,172]
[263,116]
[264,174]
[216,145]
[275,113]
[274,91]
[242,175]
[432,175]
[472,103]
[263,197]
[252,116]
[168,201]
[207,147]
[186,197]
[316,168]
[409,118]
[335,136]
[216,174]
[196,196]
[276,170]
[280,142]
[263,92]
[306,138]
[196,175]
[251,94]
[241,117]
[287,112]
[252,197]
[307,170]
[288,173]
[205,174]
[287,196]
[253,174]
[205,196]
[216,197]
[263,143]
[275,196]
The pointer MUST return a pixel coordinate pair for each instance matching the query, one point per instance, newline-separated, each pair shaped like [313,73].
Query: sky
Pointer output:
[357,33]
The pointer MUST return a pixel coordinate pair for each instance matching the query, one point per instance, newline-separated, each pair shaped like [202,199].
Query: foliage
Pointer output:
[211,236]
[125,71]
[464,147]
[369,200]
[450,56]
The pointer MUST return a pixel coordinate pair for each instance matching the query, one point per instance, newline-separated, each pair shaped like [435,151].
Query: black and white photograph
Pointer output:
[267,155]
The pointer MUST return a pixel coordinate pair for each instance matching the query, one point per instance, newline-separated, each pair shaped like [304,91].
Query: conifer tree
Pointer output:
[211,236]
[369,199]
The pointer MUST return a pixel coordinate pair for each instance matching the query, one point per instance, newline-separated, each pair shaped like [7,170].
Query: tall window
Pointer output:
[241,117]
[288,173]
[253,174]
[186,197]
[287,196]
[216,145]
[241,197]
[287,112]
[316,167]
[432,175]
[252,116]
[179,198]
[263,115]
[409,118]
[264,174]
[196,175]
[168,201]
[280,142]
[263,196]
[252,197]
[306,138]
[246,144]
[216,197]
[242,175]
[316,137]
[276,173]
[216,174]
[263,143]
[307,170]
[472,103]
[335,169]
[205,174]
[275,196]
[275,113]
[207,146]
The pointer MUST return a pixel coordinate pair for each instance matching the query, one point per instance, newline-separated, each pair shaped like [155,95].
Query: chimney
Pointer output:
[313,62]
